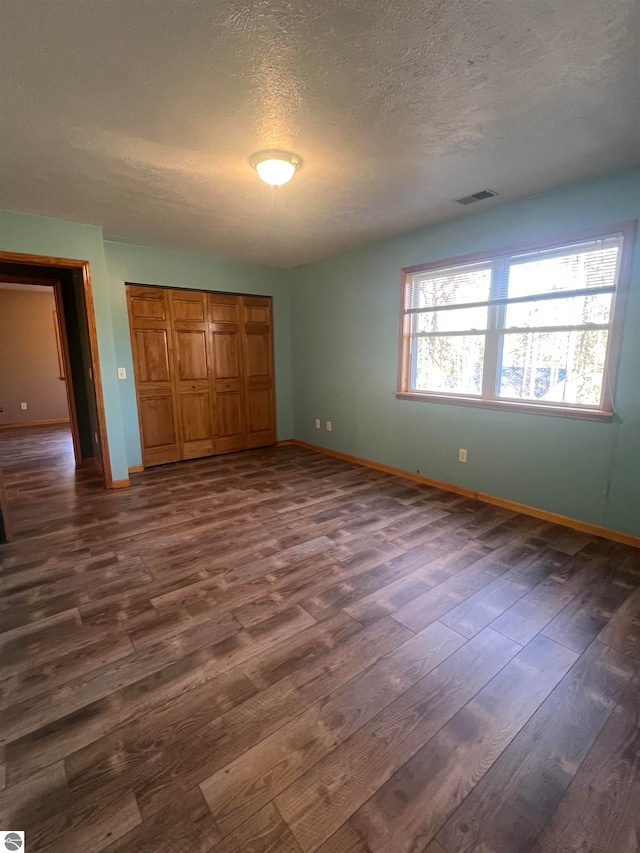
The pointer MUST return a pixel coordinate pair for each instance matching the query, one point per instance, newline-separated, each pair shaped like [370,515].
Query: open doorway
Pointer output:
[49,306]
[37,446]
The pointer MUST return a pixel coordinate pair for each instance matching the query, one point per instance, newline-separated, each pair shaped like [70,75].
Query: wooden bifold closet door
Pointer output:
[150,326]
[192,373]
[203,365]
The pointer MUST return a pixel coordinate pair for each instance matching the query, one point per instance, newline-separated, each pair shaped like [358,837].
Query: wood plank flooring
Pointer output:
[280,651]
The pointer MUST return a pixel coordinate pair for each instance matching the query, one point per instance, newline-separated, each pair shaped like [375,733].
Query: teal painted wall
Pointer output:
[126,263]
[41,235]
[344,315]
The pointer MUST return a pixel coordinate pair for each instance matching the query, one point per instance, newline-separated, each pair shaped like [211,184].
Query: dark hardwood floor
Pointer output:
[280,651]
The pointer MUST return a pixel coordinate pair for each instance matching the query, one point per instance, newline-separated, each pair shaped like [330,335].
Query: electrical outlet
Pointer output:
[462,455]
[23,406]
[122,373]
[317,423]
[329,426]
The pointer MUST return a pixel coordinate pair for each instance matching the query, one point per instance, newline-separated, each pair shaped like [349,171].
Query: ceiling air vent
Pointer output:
[470,199]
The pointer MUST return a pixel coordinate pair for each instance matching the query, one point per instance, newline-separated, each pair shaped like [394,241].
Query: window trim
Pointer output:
[625,229]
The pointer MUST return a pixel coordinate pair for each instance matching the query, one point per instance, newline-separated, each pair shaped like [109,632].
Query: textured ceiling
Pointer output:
[140,115]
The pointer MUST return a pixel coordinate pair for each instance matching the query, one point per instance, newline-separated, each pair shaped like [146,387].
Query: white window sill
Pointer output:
[509,406]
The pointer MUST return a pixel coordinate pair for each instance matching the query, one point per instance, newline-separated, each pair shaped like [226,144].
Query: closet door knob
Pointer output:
[194,387]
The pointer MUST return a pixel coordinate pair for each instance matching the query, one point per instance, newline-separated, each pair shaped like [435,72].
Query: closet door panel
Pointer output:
[189,306]
[257,309]
[152,358]
[157,422]
[147,303]
[191,351]
[226,357]
[151,354]
[195,418]
[258,354]
[230,422]
[191,373]
[227,354]
[224,308]
[259,412]
[258,371]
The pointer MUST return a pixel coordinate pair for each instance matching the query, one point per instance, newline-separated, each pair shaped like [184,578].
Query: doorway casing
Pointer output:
[84,267]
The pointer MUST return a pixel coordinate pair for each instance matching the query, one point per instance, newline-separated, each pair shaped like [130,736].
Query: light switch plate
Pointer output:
[122,373]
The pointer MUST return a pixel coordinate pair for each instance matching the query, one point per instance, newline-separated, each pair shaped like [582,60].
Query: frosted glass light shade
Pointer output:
[275,167]
[275,172]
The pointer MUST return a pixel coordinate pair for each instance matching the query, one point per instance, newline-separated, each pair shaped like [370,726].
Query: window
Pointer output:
[533,329]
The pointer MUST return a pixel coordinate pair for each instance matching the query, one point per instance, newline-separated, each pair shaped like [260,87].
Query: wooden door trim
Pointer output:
[84,266]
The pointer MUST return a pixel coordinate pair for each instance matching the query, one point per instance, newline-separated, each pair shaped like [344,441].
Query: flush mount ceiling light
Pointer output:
[275,167]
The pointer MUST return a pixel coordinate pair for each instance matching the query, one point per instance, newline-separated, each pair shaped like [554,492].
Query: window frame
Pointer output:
[498,258]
